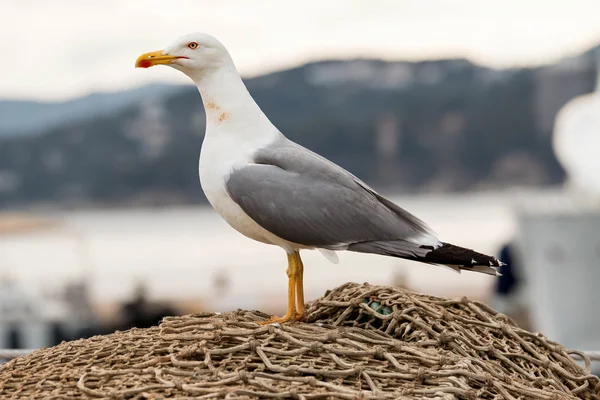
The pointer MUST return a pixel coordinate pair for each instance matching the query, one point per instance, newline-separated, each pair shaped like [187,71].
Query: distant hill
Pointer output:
[446,125]
[19,117]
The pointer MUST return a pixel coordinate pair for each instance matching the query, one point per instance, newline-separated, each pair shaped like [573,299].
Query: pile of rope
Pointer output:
[359,342]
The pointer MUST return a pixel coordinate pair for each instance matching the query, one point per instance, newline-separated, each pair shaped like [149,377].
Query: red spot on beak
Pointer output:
[145,64]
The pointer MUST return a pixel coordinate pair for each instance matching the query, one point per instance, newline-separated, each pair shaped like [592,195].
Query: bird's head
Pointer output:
[194,54]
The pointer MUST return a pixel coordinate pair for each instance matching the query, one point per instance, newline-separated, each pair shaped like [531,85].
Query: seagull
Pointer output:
[277,192]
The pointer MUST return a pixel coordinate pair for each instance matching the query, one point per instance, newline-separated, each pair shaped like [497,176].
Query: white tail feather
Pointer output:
[330,255]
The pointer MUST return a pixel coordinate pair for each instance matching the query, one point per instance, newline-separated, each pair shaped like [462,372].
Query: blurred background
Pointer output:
[482,118]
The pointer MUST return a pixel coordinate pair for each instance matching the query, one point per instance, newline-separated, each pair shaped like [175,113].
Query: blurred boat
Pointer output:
[31,319]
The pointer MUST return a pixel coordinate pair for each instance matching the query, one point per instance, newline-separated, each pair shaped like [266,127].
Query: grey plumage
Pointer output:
[303,198]
[306,199]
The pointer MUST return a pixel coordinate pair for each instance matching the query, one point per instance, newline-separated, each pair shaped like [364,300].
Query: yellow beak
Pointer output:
[151,59]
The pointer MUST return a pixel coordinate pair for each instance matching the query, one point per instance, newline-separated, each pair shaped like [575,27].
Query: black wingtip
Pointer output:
[463,258]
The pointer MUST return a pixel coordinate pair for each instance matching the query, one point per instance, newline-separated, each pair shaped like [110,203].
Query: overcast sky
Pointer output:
[63,48]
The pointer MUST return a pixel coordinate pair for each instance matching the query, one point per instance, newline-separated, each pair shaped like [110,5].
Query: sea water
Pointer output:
[182,252]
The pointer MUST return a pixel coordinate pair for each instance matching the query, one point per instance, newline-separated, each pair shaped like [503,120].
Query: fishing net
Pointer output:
[360,342]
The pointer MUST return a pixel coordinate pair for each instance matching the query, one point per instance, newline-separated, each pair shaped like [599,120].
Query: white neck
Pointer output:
[227,101]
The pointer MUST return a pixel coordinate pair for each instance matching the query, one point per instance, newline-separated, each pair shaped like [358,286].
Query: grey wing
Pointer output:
[304,198]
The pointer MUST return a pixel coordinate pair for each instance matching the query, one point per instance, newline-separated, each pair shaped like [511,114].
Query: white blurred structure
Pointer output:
[576,141]
[559,241]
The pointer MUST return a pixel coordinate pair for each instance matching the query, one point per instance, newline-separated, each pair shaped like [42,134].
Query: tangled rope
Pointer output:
[360,342]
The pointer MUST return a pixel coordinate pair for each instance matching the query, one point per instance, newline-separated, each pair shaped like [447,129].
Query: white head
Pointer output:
[206,61]
[196,55]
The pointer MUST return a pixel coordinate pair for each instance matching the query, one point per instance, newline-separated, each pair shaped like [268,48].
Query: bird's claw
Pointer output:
[280,320]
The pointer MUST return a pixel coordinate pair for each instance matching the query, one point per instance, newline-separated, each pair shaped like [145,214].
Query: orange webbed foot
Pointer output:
[281,320]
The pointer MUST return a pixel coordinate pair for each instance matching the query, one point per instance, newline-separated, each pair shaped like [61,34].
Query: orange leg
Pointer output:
[295,273]
[299,287]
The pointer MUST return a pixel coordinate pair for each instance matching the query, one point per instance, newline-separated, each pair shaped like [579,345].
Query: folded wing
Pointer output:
[306,199]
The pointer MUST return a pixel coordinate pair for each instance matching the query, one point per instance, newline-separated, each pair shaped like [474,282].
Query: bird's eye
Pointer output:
[193,45]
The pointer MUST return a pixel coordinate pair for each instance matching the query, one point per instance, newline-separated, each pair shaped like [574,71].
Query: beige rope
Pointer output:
[9,354]
[360,341]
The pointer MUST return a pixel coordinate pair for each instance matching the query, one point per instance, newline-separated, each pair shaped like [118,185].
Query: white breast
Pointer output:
[220,155]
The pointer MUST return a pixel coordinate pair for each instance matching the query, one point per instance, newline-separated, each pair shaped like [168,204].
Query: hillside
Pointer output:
[444,125]
[26,117]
